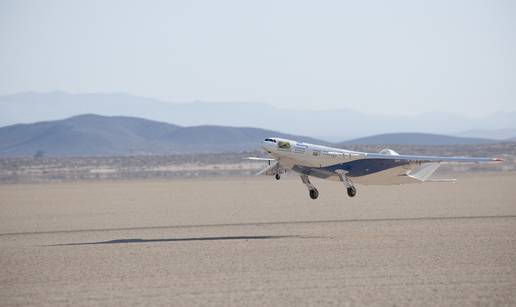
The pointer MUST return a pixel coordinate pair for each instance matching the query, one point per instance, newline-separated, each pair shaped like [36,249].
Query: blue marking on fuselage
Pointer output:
[355,168]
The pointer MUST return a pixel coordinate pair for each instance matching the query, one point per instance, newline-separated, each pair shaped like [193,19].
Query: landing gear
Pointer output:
[352,191]
[312,191]
[314,194]
[277,176]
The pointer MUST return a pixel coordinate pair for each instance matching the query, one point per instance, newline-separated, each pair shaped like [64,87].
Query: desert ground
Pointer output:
[256,241]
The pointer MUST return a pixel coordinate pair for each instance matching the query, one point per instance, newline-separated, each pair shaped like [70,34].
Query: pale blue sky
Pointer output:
[392,57]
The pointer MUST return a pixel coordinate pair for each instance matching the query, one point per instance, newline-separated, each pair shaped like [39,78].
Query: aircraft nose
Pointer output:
[264,145]
[267,146]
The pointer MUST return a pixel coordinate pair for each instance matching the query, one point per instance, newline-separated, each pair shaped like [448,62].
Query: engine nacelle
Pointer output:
[389,152]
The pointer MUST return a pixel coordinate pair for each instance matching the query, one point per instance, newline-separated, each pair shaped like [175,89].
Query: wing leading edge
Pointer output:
[427,159]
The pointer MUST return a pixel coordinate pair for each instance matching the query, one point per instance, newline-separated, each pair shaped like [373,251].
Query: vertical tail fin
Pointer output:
[424,172]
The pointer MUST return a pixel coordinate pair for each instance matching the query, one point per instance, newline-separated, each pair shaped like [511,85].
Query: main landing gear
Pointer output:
[352,191]
[312,191]
[277,176]
[314,194]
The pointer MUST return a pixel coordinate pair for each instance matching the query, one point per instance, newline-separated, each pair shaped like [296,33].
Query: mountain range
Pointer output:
[95,135]
[417,139]
[333,125]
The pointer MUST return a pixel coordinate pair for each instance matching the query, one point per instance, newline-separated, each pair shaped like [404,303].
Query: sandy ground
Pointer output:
[255,241]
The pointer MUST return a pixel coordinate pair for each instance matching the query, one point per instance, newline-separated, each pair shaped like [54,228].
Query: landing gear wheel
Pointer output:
[277,176]
[314,194]
[352,191]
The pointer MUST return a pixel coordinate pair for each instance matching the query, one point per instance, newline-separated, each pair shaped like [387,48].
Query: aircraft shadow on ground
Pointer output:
[226,238]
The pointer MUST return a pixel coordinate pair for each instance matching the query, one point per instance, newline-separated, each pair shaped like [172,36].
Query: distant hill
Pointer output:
[417,139]
[497,134]
[333,125]
[94,135]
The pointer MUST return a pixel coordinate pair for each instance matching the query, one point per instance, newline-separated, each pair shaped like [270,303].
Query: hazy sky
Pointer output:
[394,57]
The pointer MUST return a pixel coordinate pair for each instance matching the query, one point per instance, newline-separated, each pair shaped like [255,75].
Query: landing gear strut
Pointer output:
[352,191]
[312,191]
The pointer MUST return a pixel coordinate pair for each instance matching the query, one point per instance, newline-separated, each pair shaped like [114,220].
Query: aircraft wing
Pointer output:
[421,168]
[427,159]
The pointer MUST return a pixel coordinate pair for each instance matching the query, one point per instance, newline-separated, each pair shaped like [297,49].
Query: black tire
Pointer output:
[278,177]
[352,192]
[313,194]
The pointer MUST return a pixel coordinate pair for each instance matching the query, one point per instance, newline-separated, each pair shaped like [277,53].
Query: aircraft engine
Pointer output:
[389,152]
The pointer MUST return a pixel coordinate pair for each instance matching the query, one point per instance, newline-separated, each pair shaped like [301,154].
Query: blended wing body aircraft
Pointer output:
[350,167]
